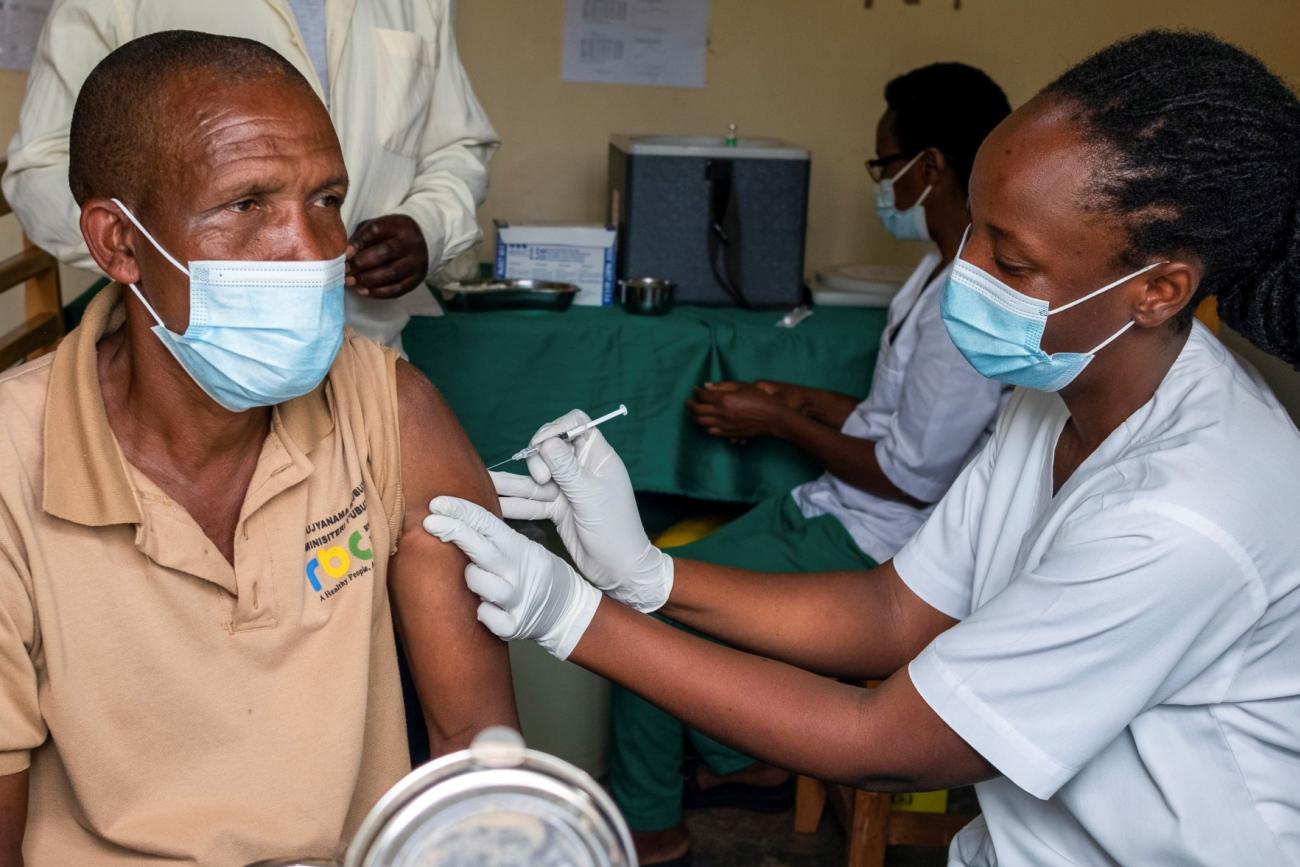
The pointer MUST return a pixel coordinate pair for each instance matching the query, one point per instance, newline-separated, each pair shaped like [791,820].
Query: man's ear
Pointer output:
[1168,289]
[110,237]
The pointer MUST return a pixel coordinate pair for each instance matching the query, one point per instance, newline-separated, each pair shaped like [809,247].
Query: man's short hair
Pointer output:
[120,113]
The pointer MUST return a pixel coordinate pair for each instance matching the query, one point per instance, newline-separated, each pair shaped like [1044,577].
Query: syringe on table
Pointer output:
[524,454]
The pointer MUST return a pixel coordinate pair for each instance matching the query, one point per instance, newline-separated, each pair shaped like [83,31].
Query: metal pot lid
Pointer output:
[496,804]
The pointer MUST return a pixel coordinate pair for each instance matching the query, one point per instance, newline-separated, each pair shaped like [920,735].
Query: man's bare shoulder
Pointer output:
[437,457]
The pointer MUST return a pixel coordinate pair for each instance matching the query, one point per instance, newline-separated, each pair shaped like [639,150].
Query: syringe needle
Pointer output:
[529,451]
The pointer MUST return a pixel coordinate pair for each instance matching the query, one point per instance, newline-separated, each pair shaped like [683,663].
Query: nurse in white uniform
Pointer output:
[888,459]
[1099,625]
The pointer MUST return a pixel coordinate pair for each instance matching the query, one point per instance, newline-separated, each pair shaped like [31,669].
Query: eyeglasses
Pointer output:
[876,167]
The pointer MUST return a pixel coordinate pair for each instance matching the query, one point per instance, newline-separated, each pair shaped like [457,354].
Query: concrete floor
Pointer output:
[736,838]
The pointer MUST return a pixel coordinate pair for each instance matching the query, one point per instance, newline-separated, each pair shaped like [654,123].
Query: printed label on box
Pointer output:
[550,253]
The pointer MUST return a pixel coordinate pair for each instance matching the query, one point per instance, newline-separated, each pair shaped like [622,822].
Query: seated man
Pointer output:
[204,510]
[888,459]
[416,141]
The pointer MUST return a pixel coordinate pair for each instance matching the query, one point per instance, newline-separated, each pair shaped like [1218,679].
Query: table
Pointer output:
[505,373]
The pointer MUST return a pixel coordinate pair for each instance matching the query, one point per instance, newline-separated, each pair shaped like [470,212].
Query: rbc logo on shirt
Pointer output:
[336,560]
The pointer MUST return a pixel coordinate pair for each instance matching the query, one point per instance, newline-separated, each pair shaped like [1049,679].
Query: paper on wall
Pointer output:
[647,42]
[20,27]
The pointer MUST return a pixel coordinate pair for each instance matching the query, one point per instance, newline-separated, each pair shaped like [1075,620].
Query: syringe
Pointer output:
[524,454]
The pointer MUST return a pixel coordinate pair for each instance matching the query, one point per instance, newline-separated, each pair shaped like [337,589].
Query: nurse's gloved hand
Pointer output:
[583,487]
[527,591]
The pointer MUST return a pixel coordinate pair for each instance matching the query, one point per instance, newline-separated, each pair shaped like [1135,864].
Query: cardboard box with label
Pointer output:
[567,253]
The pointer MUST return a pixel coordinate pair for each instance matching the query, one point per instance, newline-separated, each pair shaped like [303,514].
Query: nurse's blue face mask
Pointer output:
[1000,330]
[908,225]
[260,332]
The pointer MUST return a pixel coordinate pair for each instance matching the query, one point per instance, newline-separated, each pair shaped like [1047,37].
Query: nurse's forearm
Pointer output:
[847,624]
[850,458]
[886,739]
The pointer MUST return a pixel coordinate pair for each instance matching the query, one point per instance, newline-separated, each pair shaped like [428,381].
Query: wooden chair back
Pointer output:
[37,274]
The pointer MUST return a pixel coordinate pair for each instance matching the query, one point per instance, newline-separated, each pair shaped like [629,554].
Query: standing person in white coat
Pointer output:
[1099,624]
[888,459]
[415,140]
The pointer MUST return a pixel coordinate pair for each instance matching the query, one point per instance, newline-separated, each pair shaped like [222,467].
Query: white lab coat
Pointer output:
[928,412]
[1128,655]
[414,137]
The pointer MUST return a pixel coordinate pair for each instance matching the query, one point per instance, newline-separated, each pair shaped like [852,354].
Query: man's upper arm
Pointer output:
[23,728]
[461,670]
[77,35]
[13,818]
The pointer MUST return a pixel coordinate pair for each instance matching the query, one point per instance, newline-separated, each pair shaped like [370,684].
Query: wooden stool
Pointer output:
[869,822]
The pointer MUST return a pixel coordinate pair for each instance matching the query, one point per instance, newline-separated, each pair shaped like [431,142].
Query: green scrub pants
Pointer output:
[647,746]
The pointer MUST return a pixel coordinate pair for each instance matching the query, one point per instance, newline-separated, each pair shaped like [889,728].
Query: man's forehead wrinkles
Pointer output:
[244,132]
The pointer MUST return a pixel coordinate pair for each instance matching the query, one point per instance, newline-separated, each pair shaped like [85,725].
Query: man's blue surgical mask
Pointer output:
[260,332]
[906,225]
[1000,330]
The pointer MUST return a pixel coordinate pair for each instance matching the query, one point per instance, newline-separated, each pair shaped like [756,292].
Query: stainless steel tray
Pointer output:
[507,295]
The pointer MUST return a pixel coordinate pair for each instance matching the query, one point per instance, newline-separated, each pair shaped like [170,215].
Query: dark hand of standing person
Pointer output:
[386,257]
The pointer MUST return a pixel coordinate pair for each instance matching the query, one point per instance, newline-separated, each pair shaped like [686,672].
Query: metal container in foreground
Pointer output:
[496,804]
[647,296]
[508,295]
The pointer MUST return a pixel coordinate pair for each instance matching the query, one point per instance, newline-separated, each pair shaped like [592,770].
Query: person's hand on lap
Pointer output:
[386,257]
[740,411]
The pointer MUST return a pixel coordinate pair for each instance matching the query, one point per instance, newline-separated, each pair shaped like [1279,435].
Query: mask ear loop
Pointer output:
[1109,340]
[168,256]
[1109,286]
[903,171]
[1106,288]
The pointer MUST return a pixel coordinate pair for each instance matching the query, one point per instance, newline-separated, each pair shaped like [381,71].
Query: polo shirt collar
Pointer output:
[85,474]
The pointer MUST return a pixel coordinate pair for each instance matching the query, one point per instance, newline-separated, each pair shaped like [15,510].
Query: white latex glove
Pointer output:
[527,591]
[583,487]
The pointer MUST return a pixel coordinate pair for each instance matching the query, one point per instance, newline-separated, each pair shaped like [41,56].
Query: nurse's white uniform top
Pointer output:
[1128,655]
[928,412]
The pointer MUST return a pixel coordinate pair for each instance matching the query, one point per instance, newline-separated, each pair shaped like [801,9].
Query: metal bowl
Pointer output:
[647,296]
[495,804]
[508,295]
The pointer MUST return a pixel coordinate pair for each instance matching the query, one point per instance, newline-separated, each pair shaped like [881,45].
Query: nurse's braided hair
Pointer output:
[1201,154]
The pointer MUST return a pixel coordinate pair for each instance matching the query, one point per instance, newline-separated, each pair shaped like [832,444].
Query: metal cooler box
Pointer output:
[726,223]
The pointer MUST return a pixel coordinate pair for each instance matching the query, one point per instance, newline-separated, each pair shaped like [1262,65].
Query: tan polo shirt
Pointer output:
[173,709]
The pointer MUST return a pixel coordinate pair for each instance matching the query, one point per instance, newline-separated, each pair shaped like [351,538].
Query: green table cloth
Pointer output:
[505,373]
